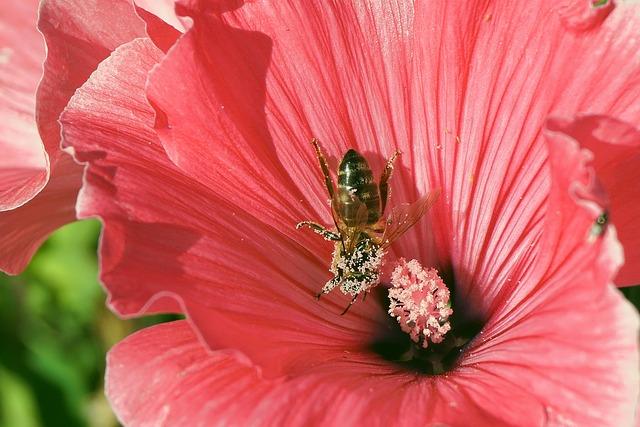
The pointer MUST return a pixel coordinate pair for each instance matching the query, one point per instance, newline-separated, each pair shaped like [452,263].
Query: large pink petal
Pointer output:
[141,374]
[216,133]
[463,89]
[565,354]
[483,88]
[79,34]
[252,97]
[23,164]
[564,327]
[25,228]
[164,375]
[30,212]
[575,354]
[245,284]
[615,146]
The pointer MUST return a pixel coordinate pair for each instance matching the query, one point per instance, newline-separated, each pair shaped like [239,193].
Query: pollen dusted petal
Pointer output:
[244,284]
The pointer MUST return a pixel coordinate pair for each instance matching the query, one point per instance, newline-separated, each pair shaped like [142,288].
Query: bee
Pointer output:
[361,235]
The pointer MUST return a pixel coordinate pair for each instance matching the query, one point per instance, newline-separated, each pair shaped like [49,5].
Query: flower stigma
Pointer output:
[419,301]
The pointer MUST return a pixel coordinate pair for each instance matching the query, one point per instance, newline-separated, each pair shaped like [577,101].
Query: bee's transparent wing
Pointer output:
[352,215]
[405,216]
[334,213]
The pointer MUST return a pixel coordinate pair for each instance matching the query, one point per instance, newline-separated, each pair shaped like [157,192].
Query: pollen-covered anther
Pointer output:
[420,302]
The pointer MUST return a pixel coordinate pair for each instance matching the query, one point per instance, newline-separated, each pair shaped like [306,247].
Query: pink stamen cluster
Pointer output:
[420,302]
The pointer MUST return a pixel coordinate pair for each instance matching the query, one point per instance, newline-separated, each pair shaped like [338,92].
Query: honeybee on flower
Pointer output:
[362,234]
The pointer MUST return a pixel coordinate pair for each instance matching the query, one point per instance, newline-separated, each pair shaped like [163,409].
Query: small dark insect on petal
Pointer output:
[599,226]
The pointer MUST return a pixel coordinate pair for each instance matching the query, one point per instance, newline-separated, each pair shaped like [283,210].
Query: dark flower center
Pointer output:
[396,346]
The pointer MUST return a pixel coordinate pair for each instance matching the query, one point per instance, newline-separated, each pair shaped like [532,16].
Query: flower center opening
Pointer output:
[426,334]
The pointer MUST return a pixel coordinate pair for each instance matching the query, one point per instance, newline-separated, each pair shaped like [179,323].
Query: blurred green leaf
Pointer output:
[17,404]
[67,264]
[55,331]
[47,331]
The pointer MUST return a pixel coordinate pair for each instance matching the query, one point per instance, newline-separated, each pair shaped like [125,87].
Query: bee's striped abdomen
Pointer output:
[355,177]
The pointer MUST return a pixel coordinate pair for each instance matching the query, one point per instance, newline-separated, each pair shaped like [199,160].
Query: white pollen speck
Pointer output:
[5,55]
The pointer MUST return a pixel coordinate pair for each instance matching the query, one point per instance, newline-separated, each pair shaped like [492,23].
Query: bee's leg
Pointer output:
[325,168]
[360,278]
[350,304]
[383,187]
[329,286]
[331,188]
[317,228]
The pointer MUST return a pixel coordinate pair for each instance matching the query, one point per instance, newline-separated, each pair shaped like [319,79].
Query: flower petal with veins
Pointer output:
[40,183]
[205,251]
[200,189]
[615,146]
[23,164]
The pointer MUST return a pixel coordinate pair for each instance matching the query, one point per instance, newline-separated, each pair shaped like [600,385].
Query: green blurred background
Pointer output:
[55,331]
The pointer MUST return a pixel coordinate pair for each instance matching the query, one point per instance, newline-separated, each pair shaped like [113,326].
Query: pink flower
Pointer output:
[199,165]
